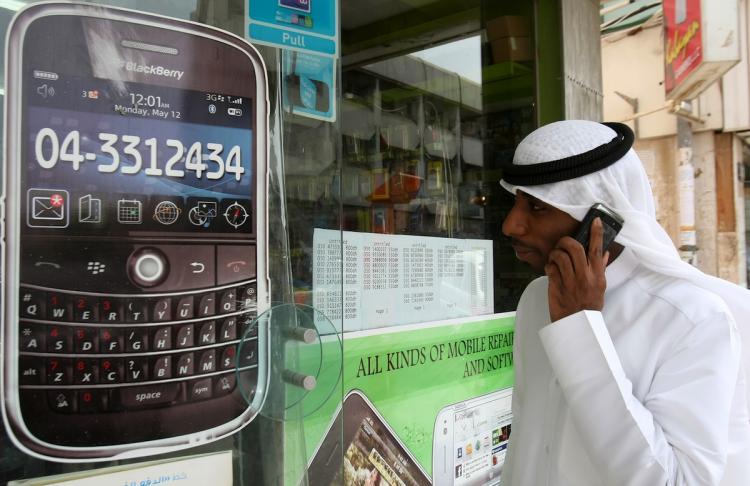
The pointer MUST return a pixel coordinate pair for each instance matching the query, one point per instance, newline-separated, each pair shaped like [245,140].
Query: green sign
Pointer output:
[411,373]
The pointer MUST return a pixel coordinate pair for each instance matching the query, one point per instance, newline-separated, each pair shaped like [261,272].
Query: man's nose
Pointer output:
[515,224]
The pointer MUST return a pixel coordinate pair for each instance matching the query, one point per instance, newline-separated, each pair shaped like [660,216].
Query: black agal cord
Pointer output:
[575,165]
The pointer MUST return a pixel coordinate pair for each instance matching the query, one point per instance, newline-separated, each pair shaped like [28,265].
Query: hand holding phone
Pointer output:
[611,222]
[576,279]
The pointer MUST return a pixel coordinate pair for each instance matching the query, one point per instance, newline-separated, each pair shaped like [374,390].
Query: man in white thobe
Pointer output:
[629,363]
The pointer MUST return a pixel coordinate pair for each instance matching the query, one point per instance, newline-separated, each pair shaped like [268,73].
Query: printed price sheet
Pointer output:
[387,280]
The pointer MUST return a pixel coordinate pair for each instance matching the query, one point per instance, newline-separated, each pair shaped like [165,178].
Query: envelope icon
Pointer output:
[42,208]
[47,208]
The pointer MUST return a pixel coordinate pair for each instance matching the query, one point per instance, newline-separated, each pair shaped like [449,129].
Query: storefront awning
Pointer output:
[618,15]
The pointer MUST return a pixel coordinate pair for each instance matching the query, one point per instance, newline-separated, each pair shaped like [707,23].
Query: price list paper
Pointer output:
[369,280]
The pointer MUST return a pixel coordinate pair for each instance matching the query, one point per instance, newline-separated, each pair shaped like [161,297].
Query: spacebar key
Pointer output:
[149,395]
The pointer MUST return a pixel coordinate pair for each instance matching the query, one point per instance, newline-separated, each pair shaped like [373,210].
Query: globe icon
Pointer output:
[166,212]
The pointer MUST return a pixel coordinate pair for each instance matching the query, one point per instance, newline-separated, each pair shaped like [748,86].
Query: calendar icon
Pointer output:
[129,211]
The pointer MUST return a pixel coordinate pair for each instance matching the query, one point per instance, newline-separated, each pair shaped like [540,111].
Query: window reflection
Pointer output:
[424,136]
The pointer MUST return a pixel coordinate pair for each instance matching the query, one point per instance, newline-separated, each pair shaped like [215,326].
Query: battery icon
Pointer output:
[234,111]
[45,75]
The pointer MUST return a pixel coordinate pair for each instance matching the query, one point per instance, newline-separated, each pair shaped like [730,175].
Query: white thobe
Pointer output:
[646,392]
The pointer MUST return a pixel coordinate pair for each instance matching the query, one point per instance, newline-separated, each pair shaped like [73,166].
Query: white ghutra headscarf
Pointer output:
[624,187]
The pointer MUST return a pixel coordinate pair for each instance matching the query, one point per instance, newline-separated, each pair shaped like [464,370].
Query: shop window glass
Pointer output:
[424,134]
[433,97]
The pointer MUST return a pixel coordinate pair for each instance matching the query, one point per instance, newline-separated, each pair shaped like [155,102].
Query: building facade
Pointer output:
[695,151]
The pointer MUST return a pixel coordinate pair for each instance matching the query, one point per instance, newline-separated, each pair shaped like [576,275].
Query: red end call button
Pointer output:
[234,263]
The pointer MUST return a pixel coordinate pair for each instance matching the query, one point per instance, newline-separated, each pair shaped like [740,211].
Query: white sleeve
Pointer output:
[526,305]
[516,409]
[678,435]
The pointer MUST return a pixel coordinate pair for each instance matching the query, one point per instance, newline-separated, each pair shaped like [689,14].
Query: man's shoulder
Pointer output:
[539,284]
[696,303]
[533,307]
[536,289]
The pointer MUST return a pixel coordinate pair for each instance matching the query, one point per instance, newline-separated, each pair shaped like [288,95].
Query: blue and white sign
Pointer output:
[309,85]
[301,25]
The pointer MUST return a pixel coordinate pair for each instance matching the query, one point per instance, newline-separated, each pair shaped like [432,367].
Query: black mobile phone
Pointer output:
[370,449]
[611,222]
[135,233]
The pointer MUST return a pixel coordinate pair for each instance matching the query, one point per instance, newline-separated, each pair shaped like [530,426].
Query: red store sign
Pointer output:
[683,46]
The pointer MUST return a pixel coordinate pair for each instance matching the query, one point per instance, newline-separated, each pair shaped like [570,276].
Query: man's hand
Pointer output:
[577,282]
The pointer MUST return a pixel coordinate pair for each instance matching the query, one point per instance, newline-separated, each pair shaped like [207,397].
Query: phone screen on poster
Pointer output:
[372,452]
[471,440]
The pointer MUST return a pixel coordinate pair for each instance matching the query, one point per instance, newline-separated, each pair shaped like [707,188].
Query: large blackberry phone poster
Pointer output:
[135,242]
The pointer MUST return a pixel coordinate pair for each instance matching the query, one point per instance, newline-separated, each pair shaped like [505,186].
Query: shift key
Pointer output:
[148,396]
